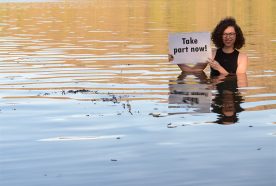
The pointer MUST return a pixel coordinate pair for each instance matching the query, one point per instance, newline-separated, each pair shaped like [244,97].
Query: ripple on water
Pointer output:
[80,138]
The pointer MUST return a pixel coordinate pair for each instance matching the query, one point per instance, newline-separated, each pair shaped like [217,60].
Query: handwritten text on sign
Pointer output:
[190,48]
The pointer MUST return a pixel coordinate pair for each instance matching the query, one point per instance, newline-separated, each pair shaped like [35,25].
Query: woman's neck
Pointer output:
[226,49]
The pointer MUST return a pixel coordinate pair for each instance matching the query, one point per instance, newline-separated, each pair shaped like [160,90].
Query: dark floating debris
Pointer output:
[112,99]
[78,91]
[157,114]
[129,108]
[113,160]
[170,125]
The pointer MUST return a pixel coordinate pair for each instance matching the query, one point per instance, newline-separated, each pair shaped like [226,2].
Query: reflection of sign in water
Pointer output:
[191,97]
[190,48]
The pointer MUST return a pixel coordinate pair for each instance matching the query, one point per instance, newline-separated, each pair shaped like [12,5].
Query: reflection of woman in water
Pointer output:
[190,93]
[226,102]
[228,98]
[200,76]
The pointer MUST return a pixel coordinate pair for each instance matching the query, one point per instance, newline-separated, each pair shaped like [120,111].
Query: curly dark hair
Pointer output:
[219,29]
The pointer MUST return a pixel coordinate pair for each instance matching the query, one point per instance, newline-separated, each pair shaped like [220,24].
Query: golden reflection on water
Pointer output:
[93,44]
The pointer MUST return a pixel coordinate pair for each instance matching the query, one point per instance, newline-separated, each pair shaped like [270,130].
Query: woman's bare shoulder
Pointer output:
[242,54]
[243,57]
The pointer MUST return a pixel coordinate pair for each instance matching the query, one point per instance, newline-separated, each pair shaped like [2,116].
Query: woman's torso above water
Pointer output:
[229,61]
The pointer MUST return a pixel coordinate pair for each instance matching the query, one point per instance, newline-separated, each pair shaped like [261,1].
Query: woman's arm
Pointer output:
[242,80]
[242,63]
[215,65]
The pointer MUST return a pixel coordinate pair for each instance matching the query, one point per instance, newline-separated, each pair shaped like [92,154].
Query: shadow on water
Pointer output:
[195,93]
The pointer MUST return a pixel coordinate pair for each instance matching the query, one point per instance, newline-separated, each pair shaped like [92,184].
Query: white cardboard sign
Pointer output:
[190,47]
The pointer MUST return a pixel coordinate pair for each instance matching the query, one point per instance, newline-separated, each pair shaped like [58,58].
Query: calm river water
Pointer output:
[88,97]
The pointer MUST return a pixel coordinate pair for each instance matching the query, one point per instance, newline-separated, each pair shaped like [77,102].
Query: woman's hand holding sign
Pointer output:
[170,57]
[215,65]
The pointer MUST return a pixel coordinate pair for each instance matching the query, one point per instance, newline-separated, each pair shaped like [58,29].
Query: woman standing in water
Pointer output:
[228,70]
[228,37]
[227,60]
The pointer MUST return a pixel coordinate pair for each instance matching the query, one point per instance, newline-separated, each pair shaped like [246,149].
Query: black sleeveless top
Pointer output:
[229,61]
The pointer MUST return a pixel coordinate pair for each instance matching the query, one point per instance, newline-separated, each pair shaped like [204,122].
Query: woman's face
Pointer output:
[229,36]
